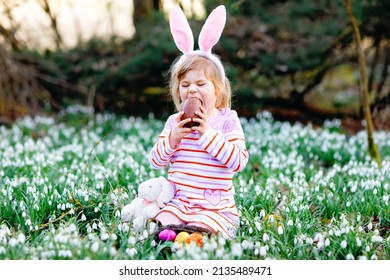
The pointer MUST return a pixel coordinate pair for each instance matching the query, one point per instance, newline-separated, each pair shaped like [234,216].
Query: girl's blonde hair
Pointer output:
[211,72]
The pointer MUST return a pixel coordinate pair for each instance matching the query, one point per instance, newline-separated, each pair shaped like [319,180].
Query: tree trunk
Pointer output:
[53,21]
[372,148]
[20,93]
[142,9]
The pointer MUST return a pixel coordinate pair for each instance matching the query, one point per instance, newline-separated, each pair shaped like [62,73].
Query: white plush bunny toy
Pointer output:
[153,194]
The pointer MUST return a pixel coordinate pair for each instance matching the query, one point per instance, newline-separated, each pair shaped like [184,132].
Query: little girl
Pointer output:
[202,159]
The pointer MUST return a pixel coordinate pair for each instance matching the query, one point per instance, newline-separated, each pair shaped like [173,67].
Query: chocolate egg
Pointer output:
[190,106]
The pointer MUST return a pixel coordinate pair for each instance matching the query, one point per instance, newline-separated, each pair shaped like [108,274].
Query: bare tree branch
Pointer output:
[373,149]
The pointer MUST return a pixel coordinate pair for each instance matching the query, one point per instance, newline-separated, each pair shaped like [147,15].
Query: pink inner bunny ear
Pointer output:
[212,29]
[181,30]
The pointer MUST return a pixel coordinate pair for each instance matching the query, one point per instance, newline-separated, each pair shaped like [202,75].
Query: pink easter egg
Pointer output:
[167,235]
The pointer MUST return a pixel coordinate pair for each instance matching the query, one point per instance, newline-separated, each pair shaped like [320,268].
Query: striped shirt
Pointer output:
[202,168]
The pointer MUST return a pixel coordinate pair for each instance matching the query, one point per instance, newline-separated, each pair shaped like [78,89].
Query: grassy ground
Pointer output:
[307,193]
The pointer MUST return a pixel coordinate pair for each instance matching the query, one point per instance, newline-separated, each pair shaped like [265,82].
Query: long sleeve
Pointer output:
[161,153]
[228,145]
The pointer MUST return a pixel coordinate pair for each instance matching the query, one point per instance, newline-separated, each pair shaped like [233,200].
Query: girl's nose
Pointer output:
[192,88]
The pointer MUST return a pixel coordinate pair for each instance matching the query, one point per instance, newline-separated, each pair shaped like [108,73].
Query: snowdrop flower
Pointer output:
[349,257]
[95,247]
[145,234]
[125,228]
[83,218]
[262,213]
[104,236]
[265,237]
[290,223]
[246,244]
[343,244]
[113,251]
[21,238]
[358,242]
[327,242]
[280,230]
[363,258]
[65,253]
[131,240]
[220,253]
[258,226]
[376,238]
[221,241]
[369,226]
[13,242]
[131,252]
[309,240]
[237,250]
[368,248]
[263,251]
[374,257]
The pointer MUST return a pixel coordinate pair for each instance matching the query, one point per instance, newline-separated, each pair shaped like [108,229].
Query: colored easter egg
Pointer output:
[190,106]
[182,237]
[167,235]
[195,237]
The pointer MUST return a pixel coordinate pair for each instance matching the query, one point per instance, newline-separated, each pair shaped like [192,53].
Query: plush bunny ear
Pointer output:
[212,29]
[181,30]
[167,192]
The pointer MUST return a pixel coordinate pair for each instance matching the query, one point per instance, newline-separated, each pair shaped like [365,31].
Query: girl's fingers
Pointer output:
[183,122]
[199,120]
[179,116]
[200,115]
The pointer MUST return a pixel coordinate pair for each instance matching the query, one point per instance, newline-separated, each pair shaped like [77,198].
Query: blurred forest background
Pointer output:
[296,59]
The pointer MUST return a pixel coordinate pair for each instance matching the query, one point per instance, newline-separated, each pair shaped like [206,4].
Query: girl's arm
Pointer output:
[173,132]
[228,146]
[161,153]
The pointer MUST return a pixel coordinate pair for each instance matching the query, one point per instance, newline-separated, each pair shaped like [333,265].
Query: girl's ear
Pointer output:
[181,30]
[212,29]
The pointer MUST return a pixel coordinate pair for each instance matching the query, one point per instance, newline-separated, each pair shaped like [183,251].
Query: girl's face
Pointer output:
[195,84]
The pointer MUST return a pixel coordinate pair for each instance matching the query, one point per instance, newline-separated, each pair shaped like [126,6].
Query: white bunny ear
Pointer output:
[212,29]
[181,30]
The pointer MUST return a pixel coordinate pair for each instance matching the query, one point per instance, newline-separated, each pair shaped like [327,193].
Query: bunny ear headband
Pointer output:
[208,37]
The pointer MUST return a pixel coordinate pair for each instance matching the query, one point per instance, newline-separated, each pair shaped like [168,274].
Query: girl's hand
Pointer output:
[202,120]
[179,131]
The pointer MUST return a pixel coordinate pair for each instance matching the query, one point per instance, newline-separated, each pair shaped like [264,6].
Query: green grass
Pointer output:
[306,193]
